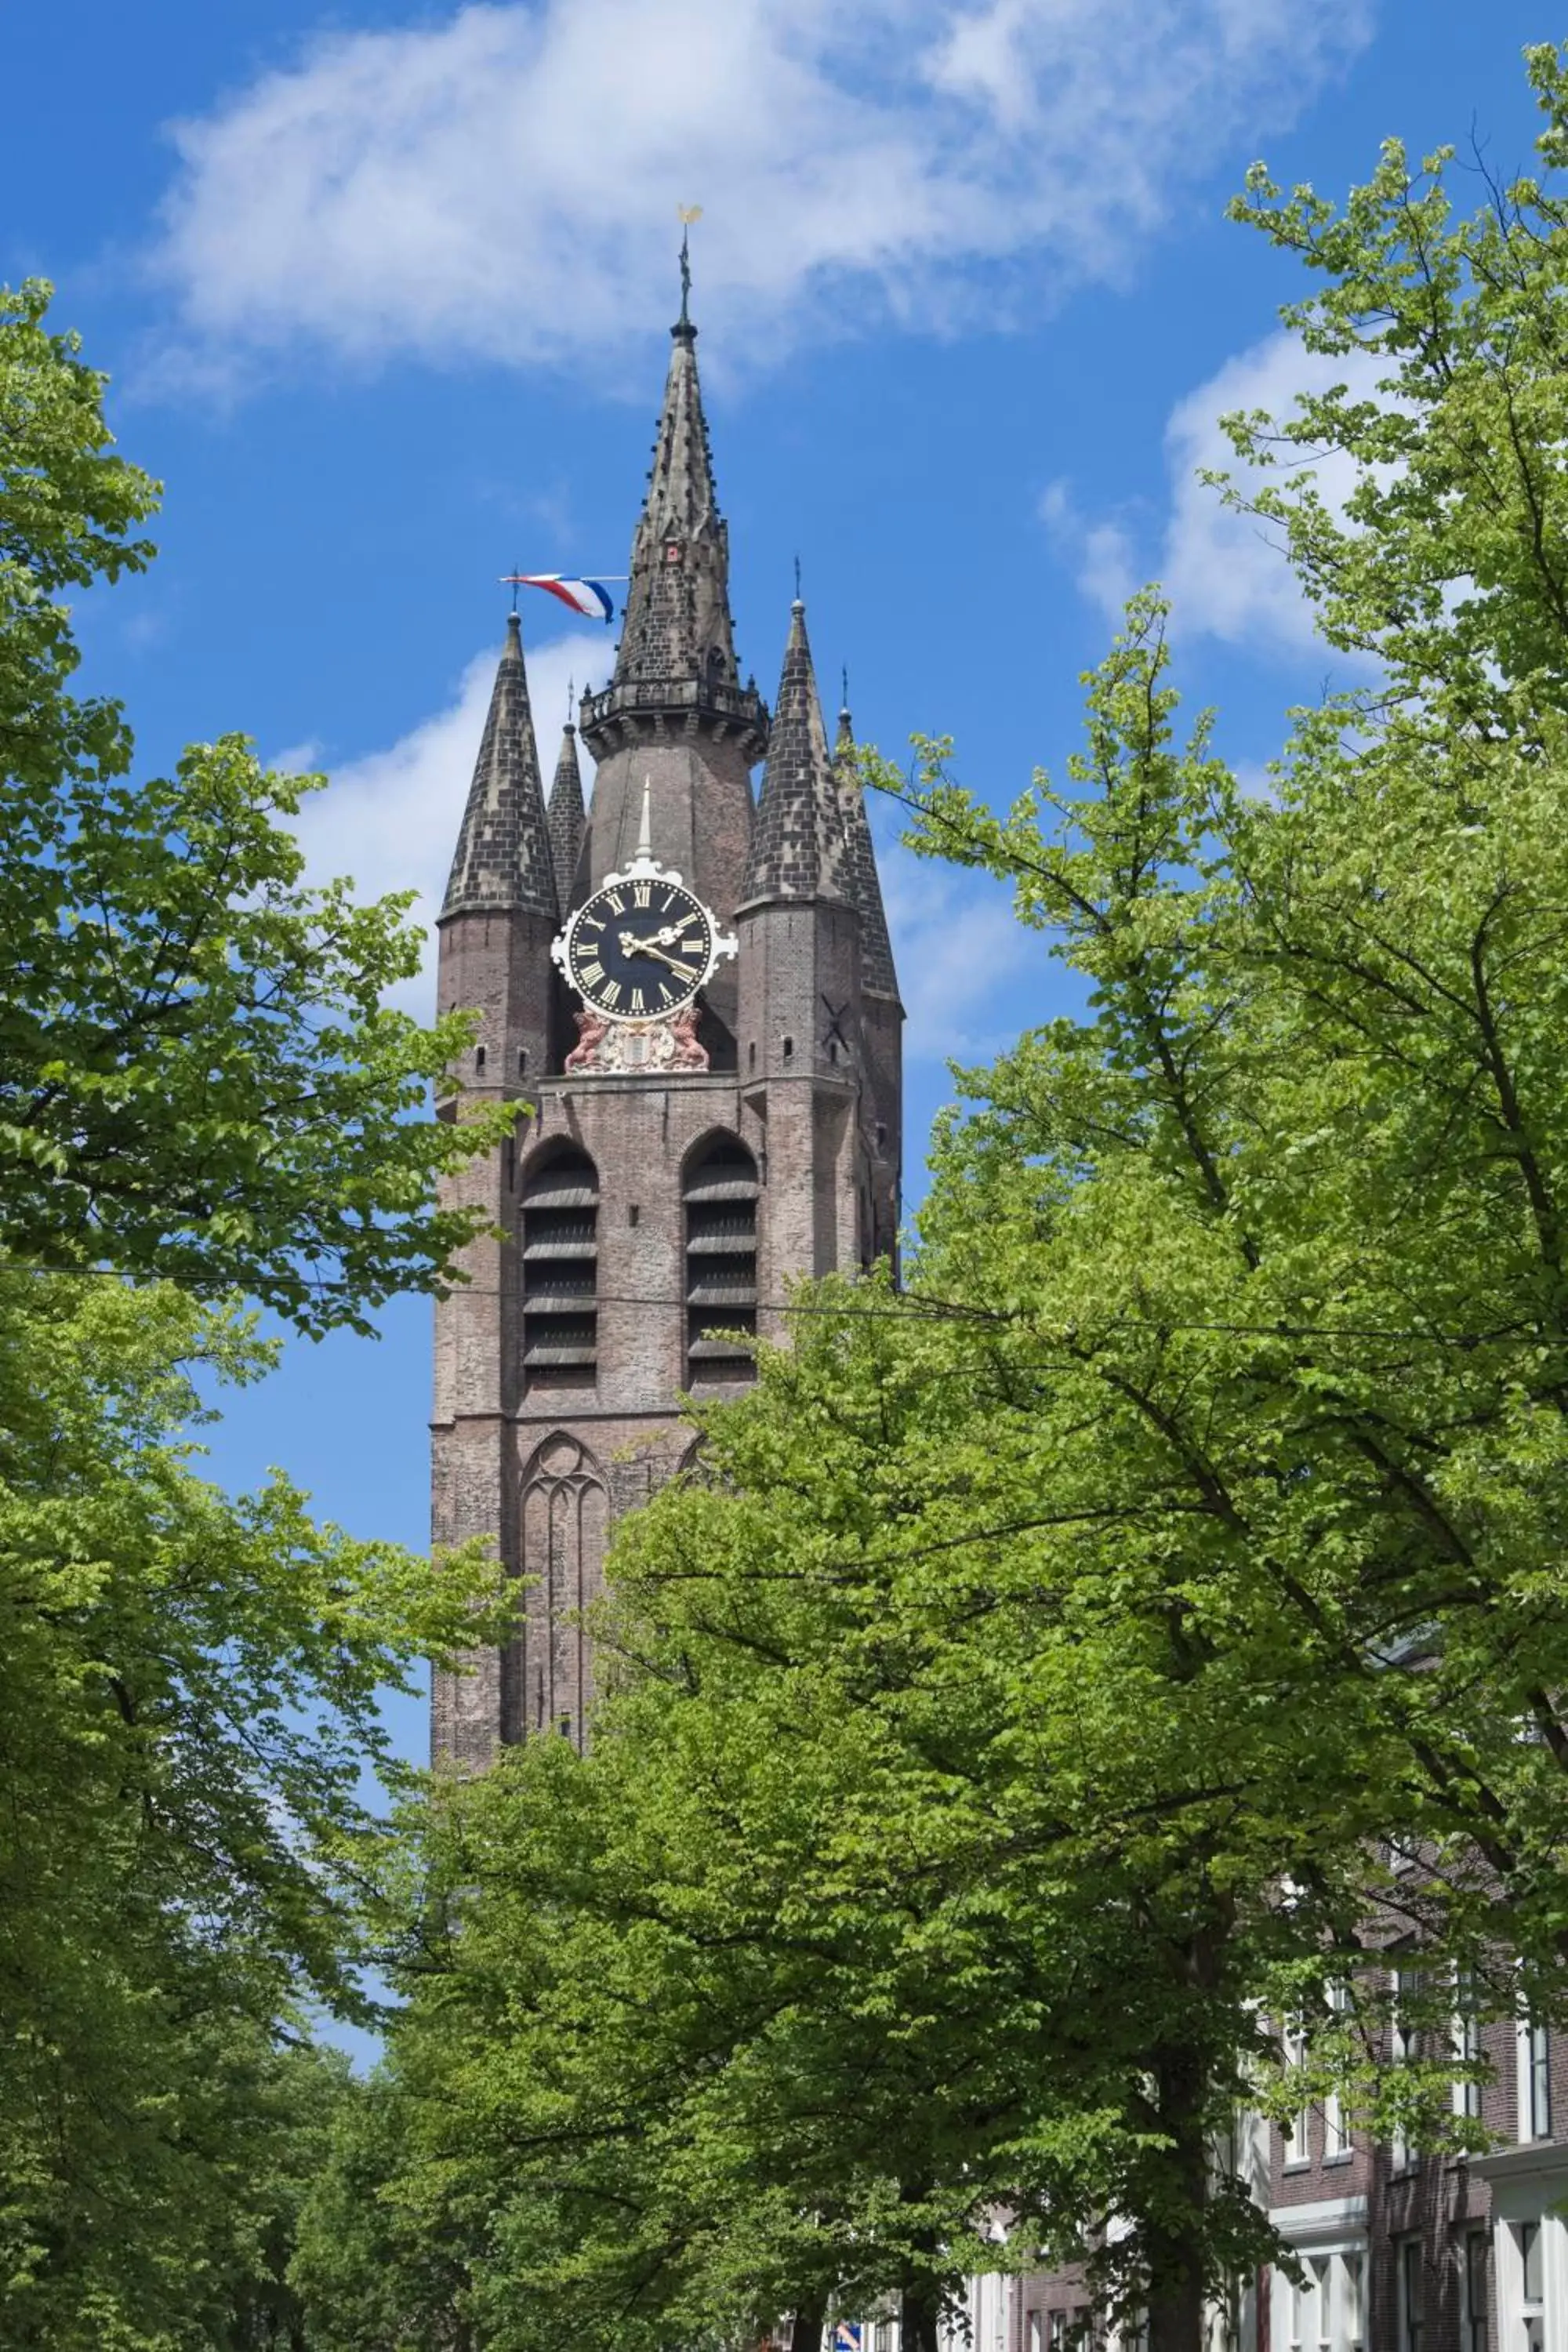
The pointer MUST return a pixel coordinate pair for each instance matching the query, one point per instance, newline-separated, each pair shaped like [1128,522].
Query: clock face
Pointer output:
[640,948]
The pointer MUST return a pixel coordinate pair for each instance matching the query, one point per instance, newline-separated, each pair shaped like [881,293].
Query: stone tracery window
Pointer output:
[564,1520]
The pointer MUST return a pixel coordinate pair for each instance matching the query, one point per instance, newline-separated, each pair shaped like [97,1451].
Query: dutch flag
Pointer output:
[589,597]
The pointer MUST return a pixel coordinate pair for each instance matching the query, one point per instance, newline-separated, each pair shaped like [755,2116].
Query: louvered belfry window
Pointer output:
[560,1272]
[721,1200]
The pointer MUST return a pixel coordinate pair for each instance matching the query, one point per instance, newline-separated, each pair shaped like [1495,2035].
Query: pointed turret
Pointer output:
[876,972]
[800,844]
[881,1014]
[566,819]
[502,859]
[676,715]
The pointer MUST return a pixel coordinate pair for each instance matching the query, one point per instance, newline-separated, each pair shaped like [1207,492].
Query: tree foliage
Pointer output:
[1156,1613]
[198,1075]
[201,1093]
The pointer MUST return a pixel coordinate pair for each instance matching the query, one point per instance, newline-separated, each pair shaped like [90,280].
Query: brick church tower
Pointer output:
[689,996]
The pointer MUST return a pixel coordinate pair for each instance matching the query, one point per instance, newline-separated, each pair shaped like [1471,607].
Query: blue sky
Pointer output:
[384,292]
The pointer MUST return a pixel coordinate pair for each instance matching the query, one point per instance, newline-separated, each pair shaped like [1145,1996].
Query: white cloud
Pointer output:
[1226,572]
[501,183]
[389,819]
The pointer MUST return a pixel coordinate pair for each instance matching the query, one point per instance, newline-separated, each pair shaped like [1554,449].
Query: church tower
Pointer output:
[689,995]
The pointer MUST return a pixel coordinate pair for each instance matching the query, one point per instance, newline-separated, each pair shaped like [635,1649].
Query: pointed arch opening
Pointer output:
[719,1194]
[564,1522]
[560,1270]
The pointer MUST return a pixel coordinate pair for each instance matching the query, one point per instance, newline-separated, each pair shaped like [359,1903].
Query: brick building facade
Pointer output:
[1398,2250]
[665,1179]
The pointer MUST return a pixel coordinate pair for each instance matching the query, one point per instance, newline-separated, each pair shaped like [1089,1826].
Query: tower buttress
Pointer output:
[800,959]
[567,821]
[881,1011]
[495,928]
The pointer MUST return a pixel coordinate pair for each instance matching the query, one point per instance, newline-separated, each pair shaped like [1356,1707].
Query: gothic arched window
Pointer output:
[547,1674]
[560,1271]
[720,1193]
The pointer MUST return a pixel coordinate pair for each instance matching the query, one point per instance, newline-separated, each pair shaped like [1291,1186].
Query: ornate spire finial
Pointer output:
[688,213]
[797,580]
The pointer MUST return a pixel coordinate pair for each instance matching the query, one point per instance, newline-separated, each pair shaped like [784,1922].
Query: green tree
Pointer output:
[1059,1658]
[1040,1679]
[188,1705]
[201,1094]
[198,1075]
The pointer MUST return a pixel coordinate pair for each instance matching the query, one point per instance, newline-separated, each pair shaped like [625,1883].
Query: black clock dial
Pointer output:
[640,950]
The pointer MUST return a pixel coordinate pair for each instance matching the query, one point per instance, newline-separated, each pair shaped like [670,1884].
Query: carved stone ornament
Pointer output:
[653,1048]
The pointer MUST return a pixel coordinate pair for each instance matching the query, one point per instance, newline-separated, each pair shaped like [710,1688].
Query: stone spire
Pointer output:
[876,972]
[566,818]
[677,653]
[502,860]
[800,844]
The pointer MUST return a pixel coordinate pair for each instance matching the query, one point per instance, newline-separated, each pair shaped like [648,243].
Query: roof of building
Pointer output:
[800,844]
[502,857]
[876,972]
[566,818]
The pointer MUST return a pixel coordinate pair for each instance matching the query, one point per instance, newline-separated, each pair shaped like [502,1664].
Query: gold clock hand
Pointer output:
[632,945]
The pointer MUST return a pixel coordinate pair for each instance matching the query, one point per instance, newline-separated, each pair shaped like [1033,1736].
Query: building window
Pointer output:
[1529,2238]
[1035,2333]
[720,1202]
[560,1272]
[1404,2045]
[1476,2254]
[1535,2052]
[1411,2296]
[1298,2294]
[1293,2052]
[1354,2291]
[1466,2050]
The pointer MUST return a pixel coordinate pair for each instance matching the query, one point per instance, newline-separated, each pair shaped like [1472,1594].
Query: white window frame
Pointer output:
[1352,2300]
[1321,2269]
[1533,2112]
[1467,2051]
[1297,2134]
[1337,2148]
[1299,2316]
[1475,2326]
[1526,2237]
[1401,2049]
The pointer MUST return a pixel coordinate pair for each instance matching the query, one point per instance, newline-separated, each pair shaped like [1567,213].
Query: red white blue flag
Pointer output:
[589,597]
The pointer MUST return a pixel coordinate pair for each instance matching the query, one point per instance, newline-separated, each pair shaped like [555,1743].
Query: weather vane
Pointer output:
[688,213]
